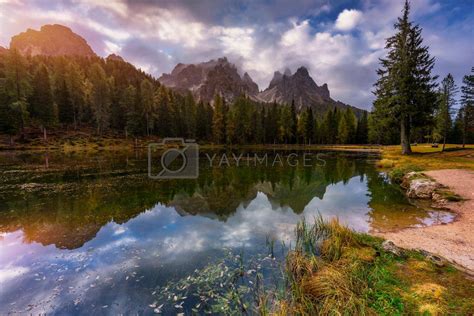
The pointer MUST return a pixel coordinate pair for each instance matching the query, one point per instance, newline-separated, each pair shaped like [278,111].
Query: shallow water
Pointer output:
[92,234]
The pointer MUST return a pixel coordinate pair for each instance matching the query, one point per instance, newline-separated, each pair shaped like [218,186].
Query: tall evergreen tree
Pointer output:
[301,127]
[467,106]
[201,122]
[405,86]
[17,79]
[285,125]
[218,123]
[41,106]
[310,126]
[293,123]
[362,129]
[347,127]
[75,83]
[445,107]
[129,103]
[189,115]
[164,114]
[100,97]
[63,101]
[148,104]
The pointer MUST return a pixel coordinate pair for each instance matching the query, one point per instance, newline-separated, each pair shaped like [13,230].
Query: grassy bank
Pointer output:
[425,157]
[335,271]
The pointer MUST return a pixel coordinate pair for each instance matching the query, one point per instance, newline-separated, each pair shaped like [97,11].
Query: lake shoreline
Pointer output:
[453,241]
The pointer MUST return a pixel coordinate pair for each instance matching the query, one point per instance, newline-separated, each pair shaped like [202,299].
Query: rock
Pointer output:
[51,40]
[389,246]
[407,179]
[207,79]
[422,188]
[437,260]
[115,57]
[301,89]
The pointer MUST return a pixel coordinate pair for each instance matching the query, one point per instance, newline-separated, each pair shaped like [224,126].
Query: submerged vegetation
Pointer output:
[335,271]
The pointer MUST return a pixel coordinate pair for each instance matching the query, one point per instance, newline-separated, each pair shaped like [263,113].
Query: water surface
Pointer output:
[91,234]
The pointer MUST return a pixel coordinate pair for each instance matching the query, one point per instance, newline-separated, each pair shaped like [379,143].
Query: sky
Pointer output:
[339,41]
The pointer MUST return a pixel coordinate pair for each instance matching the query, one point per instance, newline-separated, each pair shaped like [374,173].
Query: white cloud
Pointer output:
[156,36]
[348,19]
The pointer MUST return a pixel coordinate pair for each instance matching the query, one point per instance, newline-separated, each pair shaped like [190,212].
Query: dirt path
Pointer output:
[454,241]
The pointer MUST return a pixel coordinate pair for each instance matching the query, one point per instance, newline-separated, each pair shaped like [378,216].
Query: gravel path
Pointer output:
[453,241]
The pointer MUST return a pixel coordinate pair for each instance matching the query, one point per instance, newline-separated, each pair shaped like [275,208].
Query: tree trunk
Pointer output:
[147,125]
[11,140]
[444,143]
[405,136]
[464,129]
[45,134]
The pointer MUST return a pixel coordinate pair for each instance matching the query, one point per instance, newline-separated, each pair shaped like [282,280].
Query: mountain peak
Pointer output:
[51,40]
[287,72]
[302,71]
[115,57]
[207,79]
[301,88]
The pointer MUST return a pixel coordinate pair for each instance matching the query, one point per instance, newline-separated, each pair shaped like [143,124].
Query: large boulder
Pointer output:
[422,188]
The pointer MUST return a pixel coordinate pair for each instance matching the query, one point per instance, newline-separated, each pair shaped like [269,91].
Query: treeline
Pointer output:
[411,106]
[112,96]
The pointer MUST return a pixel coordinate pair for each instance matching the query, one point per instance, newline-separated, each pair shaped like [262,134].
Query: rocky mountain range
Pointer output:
[207,79]
[51,40]
[204,80]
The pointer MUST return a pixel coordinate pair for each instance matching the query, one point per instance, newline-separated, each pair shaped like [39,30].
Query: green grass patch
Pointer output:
[335,271]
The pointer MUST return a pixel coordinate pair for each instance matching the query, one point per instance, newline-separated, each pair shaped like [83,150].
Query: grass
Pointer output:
[335,271]
[425,157]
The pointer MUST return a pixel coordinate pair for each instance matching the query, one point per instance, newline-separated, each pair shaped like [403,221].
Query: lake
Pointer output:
[92,234]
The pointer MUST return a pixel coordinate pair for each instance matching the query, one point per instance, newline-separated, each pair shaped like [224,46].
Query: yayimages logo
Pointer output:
[173,158]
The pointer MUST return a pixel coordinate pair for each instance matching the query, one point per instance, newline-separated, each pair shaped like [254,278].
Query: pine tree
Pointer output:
[301,127]
[218,123]
[189,116]
[285,125]
[17,81]
[310,126]
[75,84]
[148,103]
[446,102]
[362,130]
[134,123]
[293,123]
[164,114]
[316,131]
[272,121]
[41,105]
[63,101]
[404,90]
[467,106]
[201,122]
[100,97]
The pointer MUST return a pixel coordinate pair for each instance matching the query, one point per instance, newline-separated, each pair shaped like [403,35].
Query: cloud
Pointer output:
[348,19]
[340,42]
